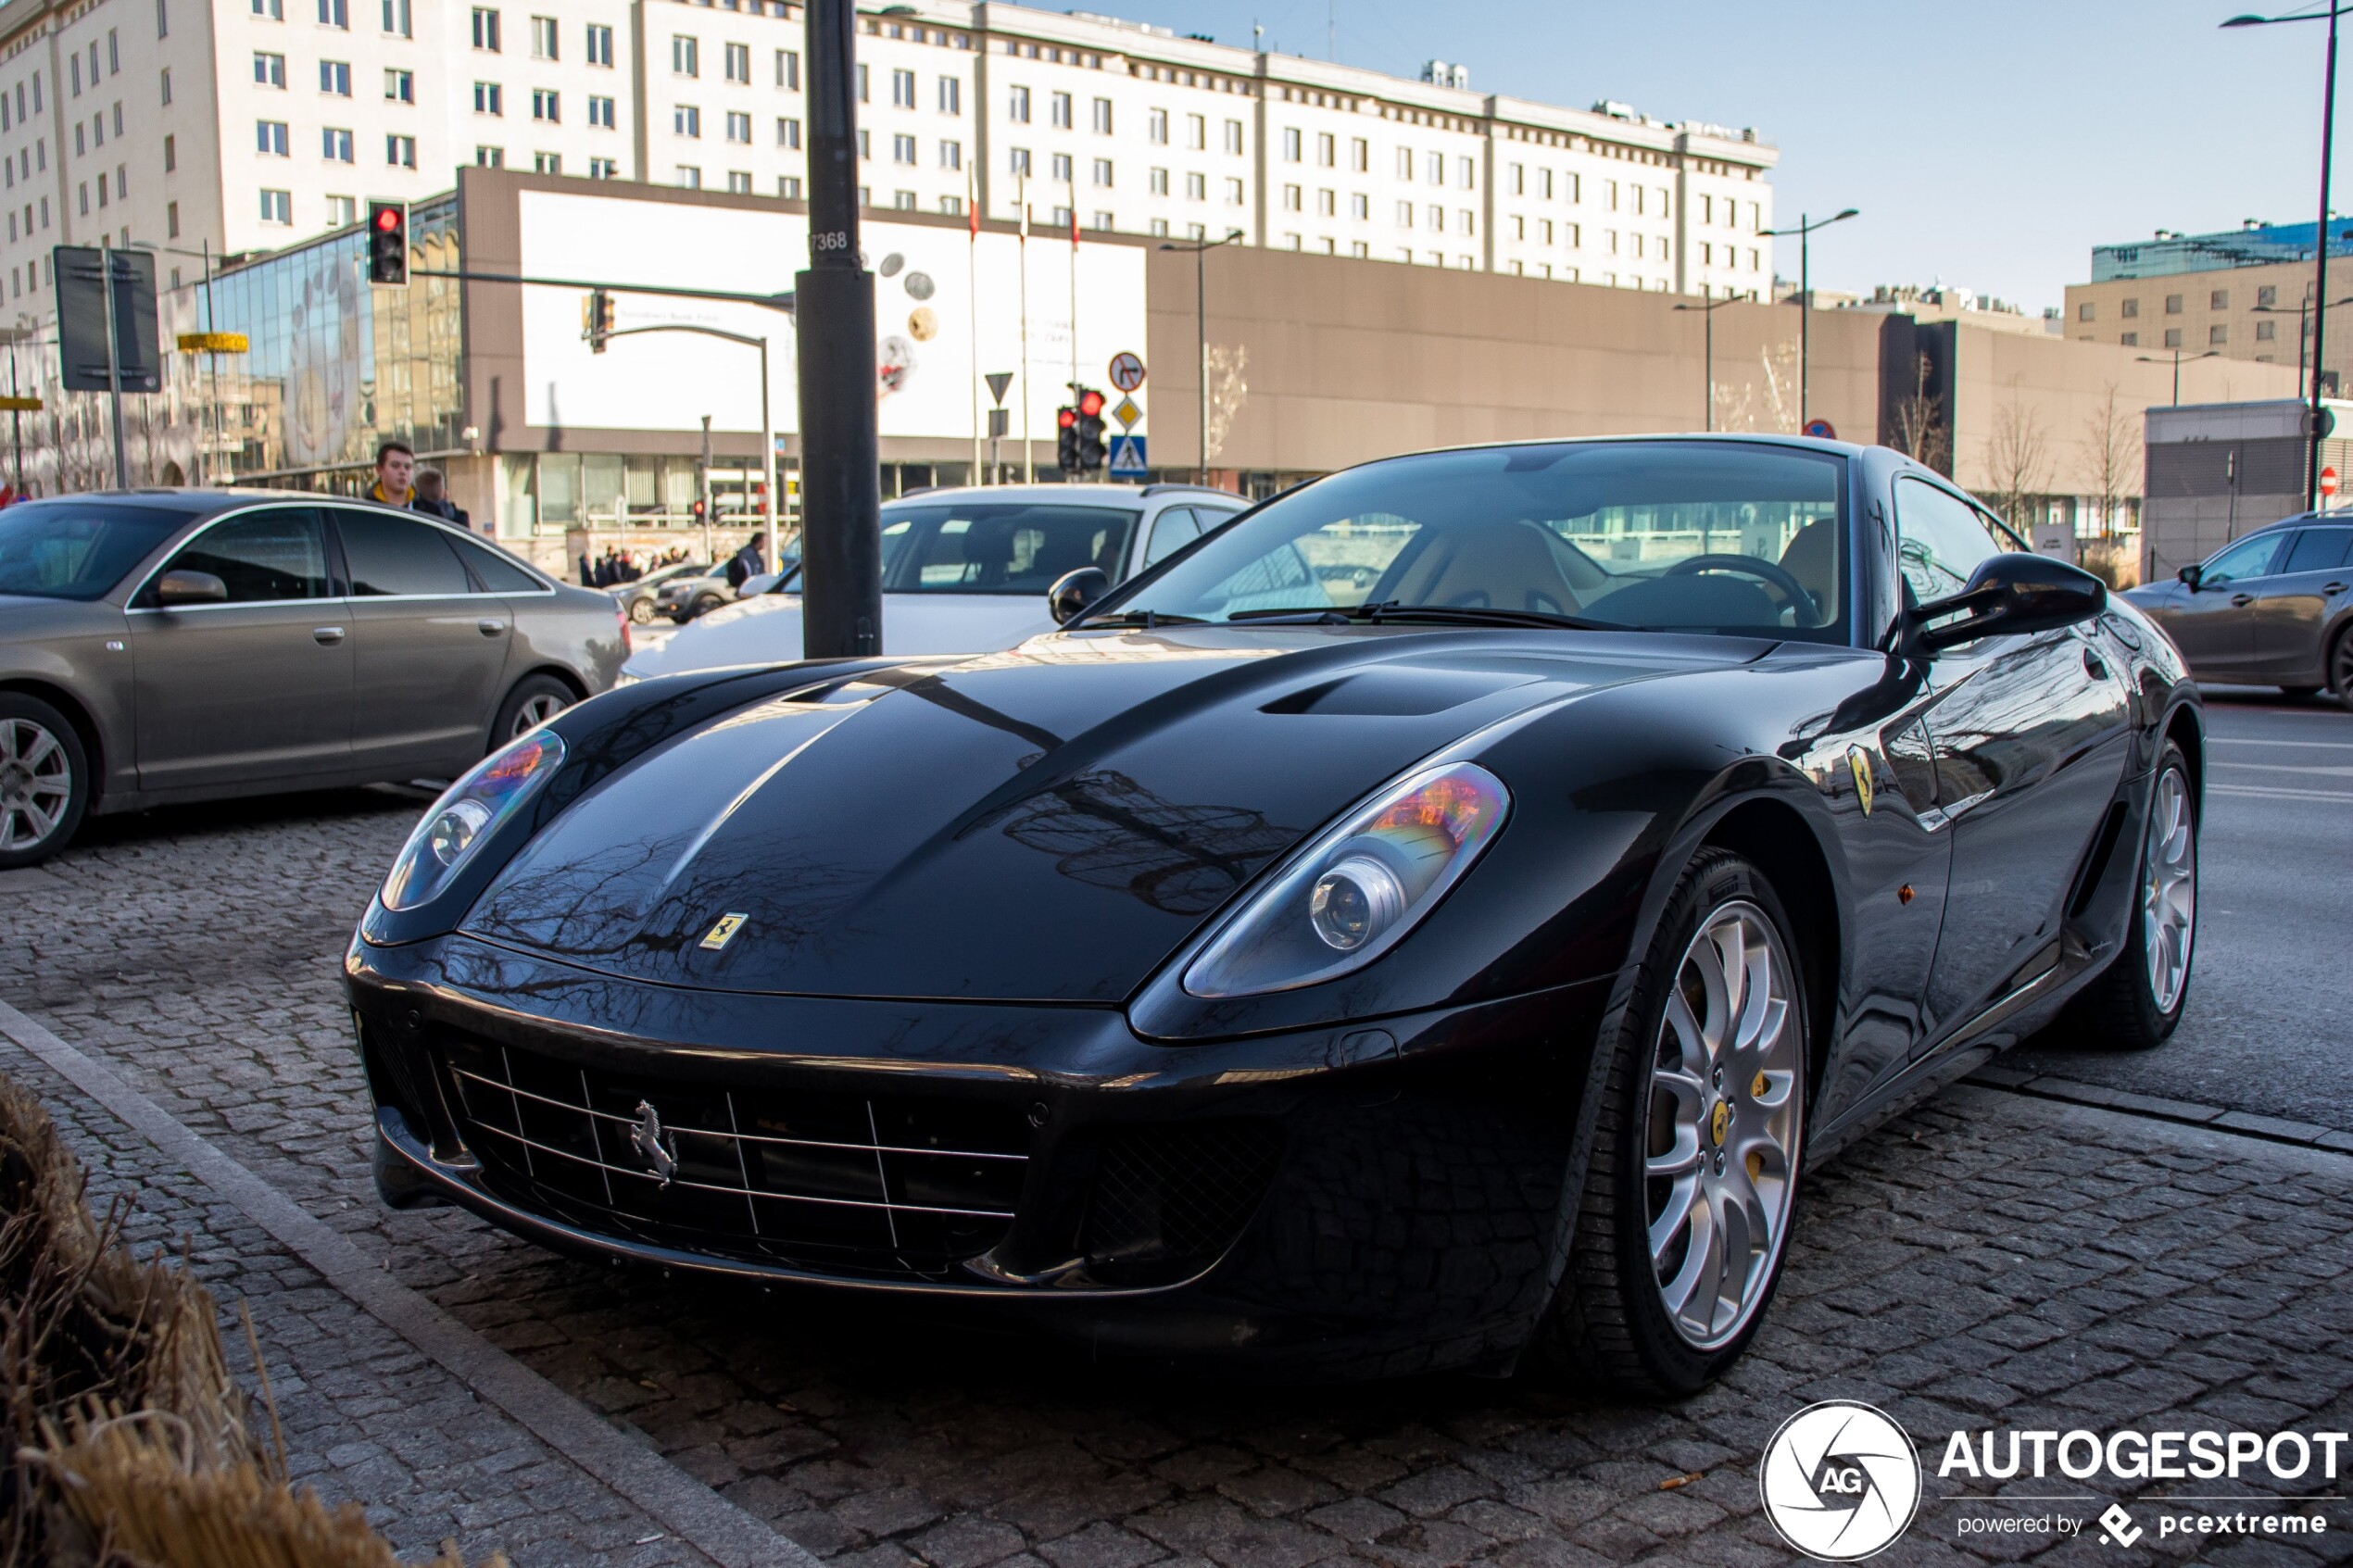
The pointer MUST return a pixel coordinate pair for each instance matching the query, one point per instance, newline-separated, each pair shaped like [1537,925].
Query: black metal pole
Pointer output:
[1806,318]
[841,445]
[2320,249]
[1707,422]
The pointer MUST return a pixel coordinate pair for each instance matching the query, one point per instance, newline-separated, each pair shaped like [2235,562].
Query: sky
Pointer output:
[1988,145]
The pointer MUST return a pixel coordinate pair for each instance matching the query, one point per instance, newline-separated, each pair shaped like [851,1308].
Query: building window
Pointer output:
[951,206]
[336,146]
[269,11]
[952,156]
[599,44]
[1327,150]
[2172,305]
[689,177]
[489,99]
[788,70]
[277,207]
[1158,181]
[2218,300]
[788,134]
[490,157]
[739,127]
[1157,228]
[2218,334]
[686,120]
[269,137]
[1360,206]
[1062,174]
[2131,308]
[1196,187]
[2265,332]
[269,70]
[546,106]
[399,22]
[331,13]
[788,186]
[903,89]
[1234,136]
[1019,162]
[1103,117]
[485,28]
[600,113]
[902,150]
[1061,111]
[170,158]
[400,86]
[862,98]
[1156,126]
[1290,144]
[1102,173]
[334,78]
[2267,297]
[903,200]
[603,168]
[167,86]
[2132,340]
[2172,337]
[686,55]
[547,163]
[1405,215]
[1017,106]
[400,151]
[1290,199]
[171,220]
[738,66]
[739,183]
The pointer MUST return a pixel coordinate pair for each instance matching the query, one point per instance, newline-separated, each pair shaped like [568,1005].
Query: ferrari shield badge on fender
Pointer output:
[719,935]
[1857,759]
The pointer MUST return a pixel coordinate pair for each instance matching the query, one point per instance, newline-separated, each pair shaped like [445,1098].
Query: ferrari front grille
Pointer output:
[884,1184]
[1181,1192]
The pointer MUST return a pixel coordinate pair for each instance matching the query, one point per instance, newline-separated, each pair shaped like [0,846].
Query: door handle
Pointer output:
[2331,589]
[490,628]
[326,636]
[2242,599]
[2094,665]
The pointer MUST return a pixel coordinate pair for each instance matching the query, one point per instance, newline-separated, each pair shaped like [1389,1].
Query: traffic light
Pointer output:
[597,318]
[1089,429]
[1066,443]
[388,244]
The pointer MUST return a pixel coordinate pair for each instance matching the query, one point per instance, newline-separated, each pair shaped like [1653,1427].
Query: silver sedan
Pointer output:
[159,646]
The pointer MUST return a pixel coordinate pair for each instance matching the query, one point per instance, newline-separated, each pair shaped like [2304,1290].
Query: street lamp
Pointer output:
[1201,320]
[1805,232]
[2321,235]
[1707,316]
[2160,360]
[2303,314]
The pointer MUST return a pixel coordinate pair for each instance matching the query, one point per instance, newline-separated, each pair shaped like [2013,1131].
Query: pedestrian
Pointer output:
[432,497]
[588,572]
[395,469]
[745,564]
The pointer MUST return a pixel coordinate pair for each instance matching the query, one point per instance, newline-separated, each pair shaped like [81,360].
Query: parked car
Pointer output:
[2273,608]
[965,570]
[187,644]
[639,600]
[689,595]
[1464,967]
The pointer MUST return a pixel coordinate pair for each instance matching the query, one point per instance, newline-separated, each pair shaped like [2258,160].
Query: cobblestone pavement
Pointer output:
[1988,1259]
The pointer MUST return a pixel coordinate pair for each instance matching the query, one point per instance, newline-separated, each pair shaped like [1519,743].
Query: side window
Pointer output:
[1939,540]
[1177,527]
[264,556]
[2320,549]
[500,574]
[2248,557]
[391,555]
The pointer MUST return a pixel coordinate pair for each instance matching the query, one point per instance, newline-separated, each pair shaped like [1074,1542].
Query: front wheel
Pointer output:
[1689,1191]
[641,611]
[2341,667]
[44,781]
[2136,1004]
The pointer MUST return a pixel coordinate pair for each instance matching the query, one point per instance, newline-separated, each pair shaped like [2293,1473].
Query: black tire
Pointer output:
[44,781]
[1610,1325]
[2122,1011]
[704,603]
[641,611]
[2340,667]
[535,700]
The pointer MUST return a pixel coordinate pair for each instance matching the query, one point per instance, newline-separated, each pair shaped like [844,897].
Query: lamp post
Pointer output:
[1201,322]
[2321,235]
[1804,232]
[2160,360]
[1707,317]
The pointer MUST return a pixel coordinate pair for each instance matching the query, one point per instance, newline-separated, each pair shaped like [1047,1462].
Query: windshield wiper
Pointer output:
[1392,610]
[1147,618]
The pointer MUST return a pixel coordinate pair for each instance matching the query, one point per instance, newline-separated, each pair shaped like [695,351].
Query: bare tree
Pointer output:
[2018,455]
[1228,393]
[1738,404]
[1922,433]
[2112,446]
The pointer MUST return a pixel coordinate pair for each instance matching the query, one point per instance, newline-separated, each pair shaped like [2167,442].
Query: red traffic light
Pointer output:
[1090,402]
[1066,417]
[387,219]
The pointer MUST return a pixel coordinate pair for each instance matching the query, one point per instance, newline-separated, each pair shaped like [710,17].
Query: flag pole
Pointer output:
[1074,282]
[1028,457]
[971,308]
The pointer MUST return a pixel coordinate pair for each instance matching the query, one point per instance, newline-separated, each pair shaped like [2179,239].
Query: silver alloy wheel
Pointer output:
[536,712]
[2169,889]
[1726,1109]
[36,783]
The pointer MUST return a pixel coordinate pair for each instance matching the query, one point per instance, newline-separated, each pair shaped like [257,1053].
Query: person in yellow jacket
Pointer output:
[395,470]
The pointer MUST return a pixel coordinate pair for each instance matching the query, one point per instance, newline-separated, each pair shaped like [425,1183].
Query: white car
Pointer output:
[965,571]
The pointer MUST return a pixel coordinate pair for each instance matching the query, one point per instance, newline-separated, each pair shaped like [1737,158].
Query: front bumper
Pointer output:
[1367,1198]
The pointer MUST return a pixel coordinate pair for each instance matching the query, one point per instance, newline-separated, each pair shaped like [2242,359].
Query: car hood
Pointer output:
[1043,824]
[27,618]
[765,629]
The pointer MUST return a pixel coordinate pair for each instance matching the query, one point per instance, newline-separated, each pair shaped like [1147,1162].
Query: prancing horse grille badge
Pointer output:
[719,935]
[646,1140]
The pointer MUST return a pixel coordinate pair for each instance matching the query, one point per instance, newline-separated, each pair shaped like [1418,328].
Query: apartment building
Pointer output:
[240,126]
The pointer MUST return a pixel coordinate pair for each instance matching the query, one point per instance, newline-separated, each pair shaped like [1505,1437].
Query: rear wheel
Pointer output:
[641,611]
[704,603]
[44,781]
[2136,1003]
[1690,1189]
[535,700]
[2341,667]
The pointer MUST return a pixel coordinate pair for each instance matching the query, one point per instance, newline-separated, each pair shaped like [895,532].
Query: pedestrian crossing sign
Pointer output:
[1127,456]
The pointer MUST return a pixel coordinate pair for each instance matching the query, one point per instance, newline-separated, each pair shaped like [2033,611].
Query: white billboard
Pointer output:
[942,298]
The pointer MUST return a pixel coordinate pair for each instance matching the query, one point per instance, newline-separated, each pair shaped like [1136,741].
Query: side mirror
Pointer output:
[174,588]
[2007,594]
[1074,591]
[2192,574]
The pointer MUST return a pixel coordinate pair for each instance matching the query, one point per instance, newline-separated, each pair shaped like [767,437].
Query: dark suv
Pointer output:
[2271,610]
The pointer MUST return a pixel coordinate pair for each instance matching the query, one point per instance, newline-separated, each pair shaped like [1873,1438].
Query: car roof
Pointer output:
[1067,494]
[2339,518]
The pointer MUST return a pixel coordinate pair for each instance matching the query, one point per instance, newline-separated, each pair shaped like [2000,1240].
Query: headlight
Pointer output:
[1359,889]
[466,814]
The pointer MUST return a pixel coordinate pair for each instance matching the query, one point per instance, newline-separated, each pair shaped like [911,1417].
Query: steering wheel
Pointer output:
[1772,573]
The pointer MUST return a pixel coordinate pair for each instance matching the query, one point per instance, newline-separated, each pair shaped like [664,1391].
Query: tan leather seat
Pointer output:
[1812,558]
[1497,566]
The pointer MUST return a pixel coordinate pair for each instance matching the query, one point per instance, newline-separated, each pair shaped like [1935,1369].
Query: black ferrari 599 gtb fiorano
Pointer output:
[1440,915]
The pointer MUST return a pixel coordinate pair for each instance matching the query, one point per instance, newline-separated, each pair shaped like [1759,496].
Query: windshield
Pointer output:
[998,547]
[75,549]
[1682,535]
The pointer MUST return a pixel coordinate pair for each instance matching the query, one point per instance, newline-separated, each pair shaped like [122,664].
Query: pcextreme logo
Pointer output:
[1839,1481]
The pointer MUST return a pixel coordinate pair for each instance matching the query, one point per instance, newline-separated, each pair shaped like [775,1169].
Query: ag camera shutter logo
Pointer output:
[1841,1481]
